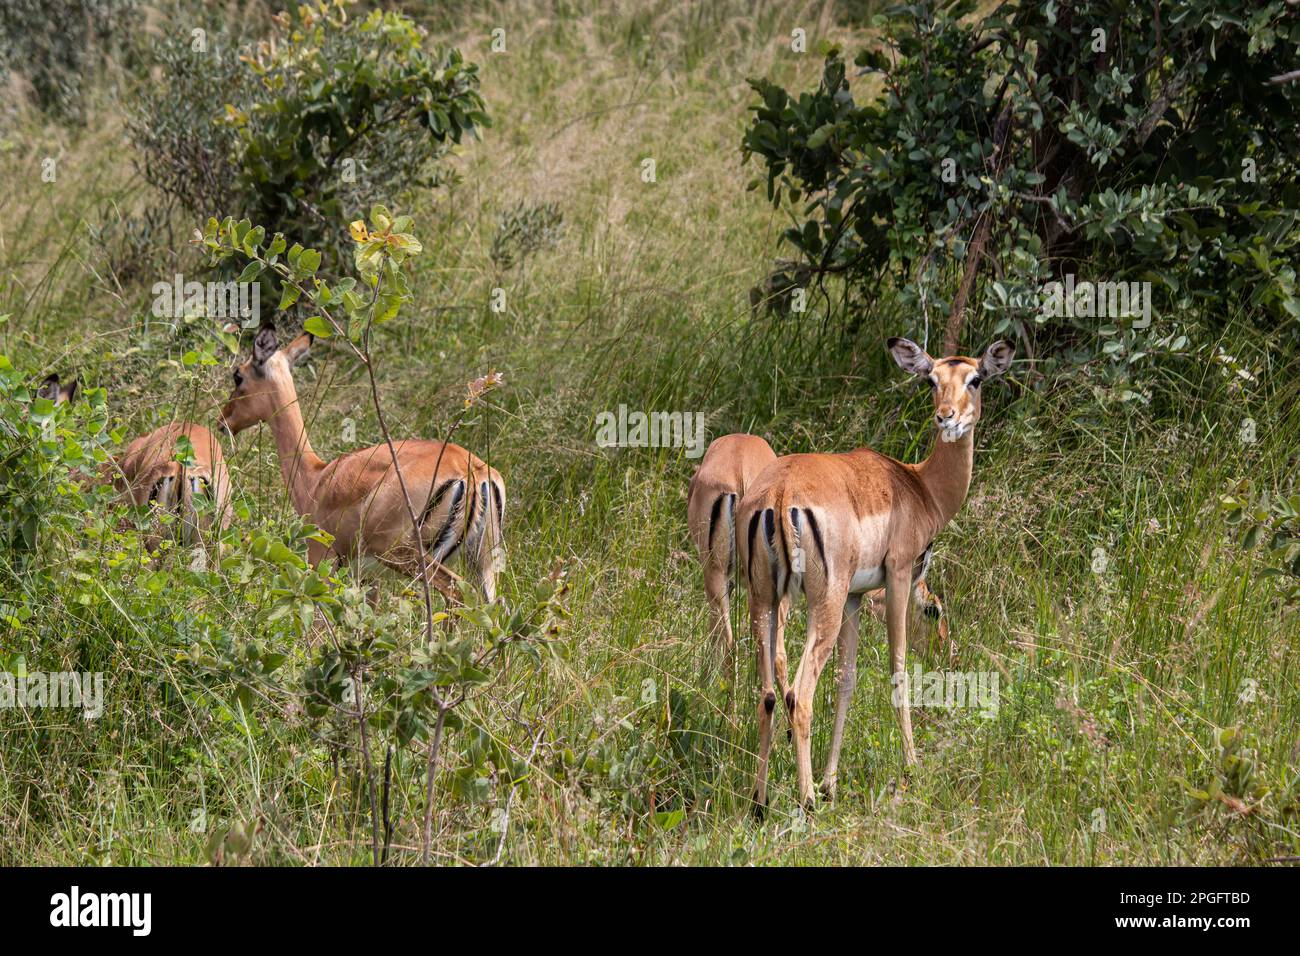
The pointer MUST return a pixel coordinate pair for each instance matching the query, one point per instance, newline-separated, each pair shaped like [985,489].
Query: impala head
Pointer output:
[58,394]
[264,383]
[954,381]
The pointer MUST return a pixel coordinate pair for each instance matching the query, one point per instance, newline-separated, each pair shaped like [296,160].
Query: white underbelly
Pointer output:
[865,579]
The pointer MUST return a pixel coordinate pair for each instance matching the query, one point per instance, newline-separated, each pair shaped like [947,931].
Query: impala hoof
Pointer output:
[759,809]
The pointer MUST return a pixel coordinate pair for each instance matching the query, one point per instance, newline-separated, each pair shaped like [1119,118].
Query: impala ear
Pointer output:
[51,389]
[996,359]
[298,349]
[264,345]
[910,357]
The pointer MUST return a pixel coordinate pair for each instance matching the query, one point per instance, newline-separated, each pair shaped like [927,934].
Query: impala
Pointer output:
[150,473]
[728,468]
[358,498]
[857,521]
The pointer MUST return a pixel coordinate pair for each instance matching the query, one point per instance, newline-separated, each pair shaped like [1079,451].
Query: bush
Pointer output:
[52,44]
[308,125]
[1041,138]
[48,452]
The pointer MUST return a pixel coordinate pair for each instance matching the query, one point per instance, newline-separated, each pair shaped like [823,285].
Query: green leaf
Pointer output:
[668,819]
[309,262]
[318,327]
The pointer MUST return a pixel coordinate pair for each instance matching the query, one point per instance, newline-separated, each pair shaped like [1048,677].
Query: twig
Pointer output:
[505,823]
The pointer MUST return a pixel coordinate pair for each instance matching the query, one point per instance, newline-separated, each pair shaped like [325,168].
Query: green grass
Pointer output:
[1113,685]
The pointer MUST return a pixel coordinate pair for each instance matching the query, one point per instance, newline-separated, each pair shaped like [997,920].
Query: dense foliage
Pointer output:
[1049,139]
[307,126]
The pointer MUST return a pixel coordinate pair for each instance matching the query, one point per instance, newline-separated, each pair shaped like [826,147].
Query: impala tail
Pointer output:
[483,545]
[784,549]
[196,486]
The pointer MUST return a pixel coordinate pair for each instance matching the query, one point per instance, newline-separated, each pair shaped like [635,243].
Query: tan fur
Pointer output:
[728,468]
[876,516]
[358,498]
[149,472]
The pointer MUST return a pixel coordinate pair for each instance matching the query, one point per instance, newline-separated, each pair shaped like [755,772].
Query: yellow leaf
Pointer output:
[358,230]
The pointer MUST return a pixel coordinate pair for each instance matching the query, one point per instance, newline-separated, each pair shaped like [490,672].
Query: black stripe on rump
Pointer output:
[731,539]
[817,539]
[447,536]
[714,513]
[769,532]
[499,497]
[749,567]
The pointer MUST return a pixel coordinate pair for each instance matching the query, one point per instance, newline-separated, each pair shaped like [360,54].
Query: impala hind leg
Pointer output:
[763,628]
[848,663]
[824,619]
[898,587]
[715,587]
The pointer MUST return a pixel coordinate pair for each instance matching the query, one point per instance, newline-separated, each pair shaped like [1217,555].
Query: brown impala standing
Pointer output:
[459,501]
[730,465]
[856,521]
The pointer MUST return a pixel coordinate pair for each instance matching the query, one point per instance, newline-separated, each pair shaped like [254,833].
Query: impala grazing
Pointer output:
[858,521]
[459,501]
[731,464]
[149,472]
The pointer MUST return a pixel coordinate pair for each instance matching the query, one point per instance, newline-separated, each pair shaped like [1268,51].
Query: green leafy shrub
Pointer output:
[1274,521]
[1045,139]
[319,118]
[49,454]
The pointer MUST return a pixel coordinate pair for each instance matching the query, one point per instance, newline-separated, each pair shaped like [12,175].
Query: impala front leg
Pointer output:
[898,590]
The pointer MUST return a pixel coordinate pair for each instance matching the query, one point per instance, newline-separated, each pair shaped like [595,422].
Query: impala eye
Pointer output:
[239,378]
[934,382]
[974,383]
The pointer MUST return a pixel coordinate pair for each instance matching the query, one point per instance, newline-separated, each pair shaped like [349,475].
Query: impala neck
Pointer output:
[946,473]
[299,465]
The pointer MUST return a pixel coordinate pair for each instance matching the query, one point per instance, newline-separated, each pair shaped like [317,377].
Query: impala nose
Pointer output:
[945,413]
